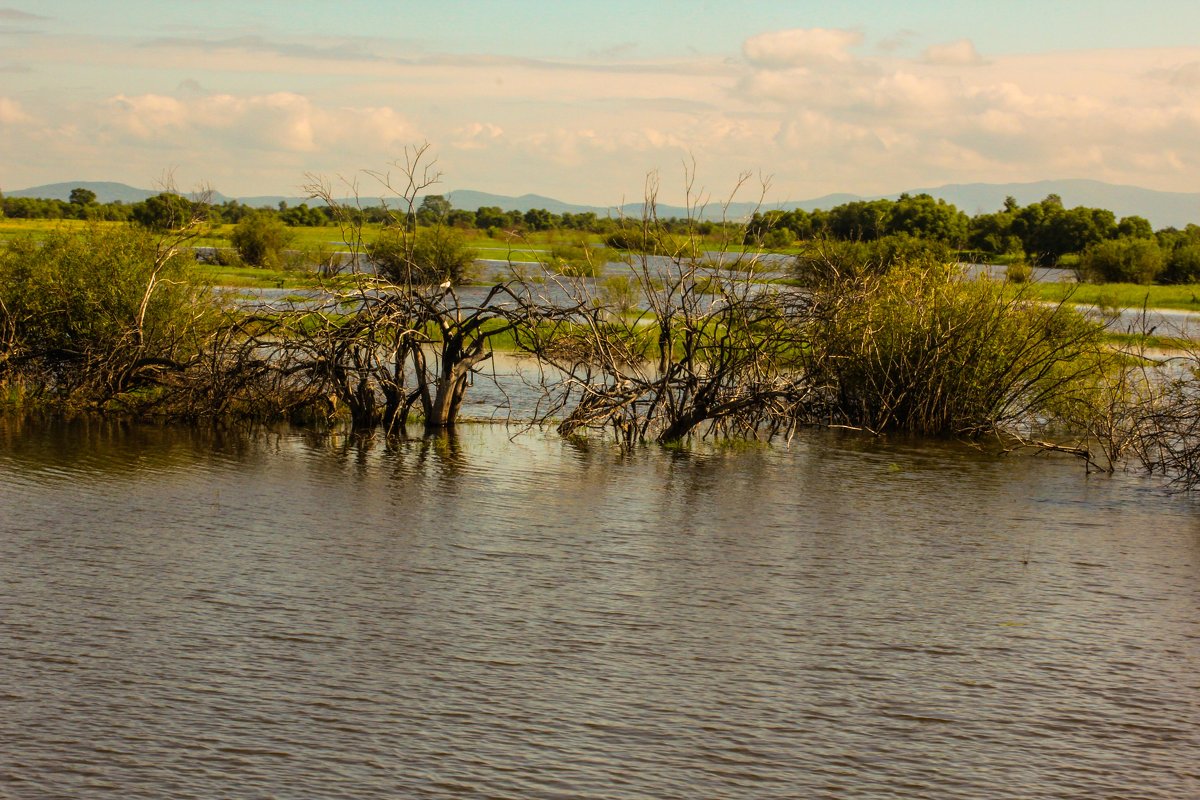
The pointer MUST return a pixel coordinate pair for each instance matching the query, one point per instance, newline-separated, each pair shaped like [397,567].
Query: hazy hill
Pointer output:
[106,191]
[1161,208]
[466,198]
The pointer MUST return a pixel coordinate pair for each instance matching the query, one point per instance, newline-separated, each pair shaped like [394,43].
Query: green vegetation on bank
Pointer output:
[1045,233]
[117,319]
[106,313]
[1120,296]
[295,266]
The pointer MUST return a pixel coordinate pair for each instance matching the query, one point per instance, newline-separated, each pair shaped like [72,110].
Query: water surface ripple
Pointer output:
[282,614]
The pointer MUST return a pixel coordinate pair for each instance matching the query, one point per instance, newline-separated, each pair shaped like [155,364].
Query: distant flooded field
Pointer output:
[509,615]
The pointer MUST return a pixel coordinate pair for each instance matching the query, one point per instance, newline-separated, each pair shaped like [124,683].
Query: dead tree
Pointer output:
[386,341]
[709,349]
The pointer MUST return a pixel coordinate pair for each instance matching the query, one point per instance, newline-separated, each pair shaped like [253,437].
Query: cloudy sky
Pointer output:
[579,100]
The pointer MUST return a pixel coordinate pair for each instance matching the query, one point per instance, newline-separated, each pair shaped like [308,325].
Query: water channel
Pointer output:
[505,614]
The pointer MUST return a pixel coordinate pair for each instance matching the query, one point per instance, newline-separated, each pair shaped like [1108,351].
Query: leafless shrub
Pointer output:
[707,350]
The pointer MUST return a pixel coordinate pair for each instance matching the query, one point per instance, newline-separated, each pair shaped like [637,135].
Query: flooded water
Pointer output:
[284,614]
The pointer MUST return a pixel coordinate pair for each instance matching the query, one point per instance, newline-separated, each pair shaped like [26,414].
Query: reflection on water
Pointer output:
[196,614]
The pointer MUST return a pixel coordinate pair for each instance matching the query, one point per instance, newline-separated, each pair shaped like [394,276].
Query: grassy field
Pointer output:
[1180,297]
[14,228]
[256,277]
[533,247]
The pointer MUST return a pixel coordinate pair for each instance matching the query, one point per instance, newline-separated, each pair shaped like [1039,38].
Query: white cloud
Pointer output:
[149,115]
[11,113]
[277,121]
[904,94]
[952,116]
[800,47]
[958,54]
[1186,75]
[476,136]
[824,110]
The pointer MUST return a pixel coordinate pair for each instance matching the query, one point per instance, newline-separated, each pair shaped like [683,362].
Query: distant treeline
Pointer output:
[1041,233]
[433,209]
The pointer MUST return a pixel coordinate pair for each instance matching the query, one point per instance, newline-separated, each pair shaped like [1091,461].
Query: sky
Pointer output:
[582,101]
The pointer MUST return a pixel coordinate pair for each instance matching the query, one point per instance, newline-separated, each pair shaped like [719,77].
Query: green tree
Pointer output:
[993,234]
[539,219]
[763,224]
[461,218]
[166,211]
[490,217]
[260,238]
[863,220]
[1135,227]
[83,204]
[583,221]
[1049,231]
[926,218]
[82,197]
[1183,265]
[433,210]
[302,215]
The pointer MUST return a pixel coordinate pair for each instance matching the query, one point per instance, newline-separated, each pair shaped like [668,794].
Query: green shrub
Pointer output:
[429,256]
[1018,272]
[1122,261]
[92,313]
[777,239]
[631,237]
[922,349]
[225,257]
[831,259]
[576,260]
[164,212]
[622,293]
[260,238]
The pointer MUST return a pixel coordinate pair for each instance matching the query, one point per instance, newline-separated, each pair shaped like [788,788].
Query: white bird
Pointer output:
[445,286]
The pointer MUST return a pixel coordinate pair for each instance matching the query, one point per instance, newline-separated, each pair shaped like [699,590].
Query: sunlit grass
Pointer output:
[536,246]
[1182,297]
[255,277]
[15,228]
[1135,341]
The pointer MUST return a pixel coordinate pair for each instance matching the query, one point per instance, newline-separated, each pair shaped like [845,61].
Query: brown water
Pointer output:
[285,615]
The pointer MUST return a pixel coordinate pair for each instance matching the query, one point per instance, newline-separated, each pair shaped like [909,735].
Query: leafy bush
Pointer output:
[260,239]
[87,315]
[832,259]
[1122,261]
[922,349]
[777,239]
[430,256]
[628,237]
[218,256]
[577,260]
[622,293]
[1018,272]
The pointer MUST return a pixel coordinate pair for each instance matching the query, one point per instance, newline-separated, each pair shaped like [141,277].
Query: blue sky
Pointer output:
[582,100]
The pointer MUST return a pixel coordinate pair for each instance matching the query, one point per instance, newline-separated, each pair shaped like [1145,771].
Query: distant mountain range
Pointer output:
[1161,208]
